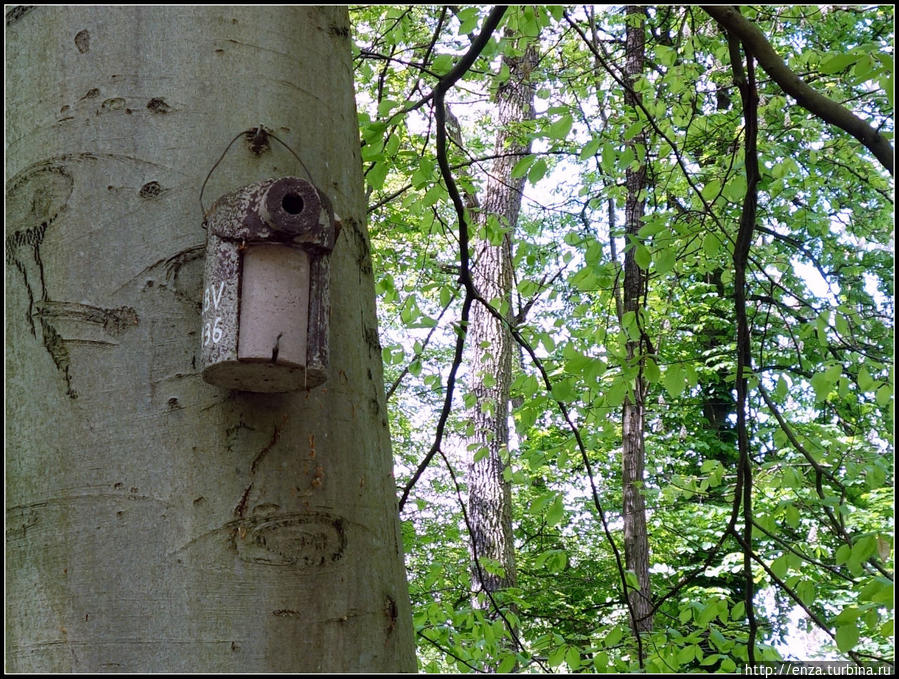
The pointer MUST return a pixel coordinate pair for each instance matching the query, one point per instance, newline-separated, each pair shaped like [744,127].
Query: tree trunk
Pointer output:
[636,541]
[155,522]
[489,494]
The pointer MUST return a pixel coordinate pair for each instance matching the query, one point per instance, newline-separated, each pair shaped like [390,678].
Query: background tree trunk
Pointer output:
[490,379]
[155,522]
[636,541]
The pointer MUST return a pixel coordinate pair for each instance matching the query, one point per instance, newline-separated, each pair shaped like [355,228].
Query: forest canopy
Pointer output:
[704,242]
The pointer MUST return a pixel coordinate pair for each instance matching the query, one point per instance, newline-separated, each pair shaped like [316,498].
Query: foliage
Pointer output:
[819,291]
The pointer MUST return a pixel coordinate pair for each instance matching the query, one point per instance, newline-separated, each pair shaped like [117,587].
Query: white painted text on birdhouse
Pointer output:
[266,306]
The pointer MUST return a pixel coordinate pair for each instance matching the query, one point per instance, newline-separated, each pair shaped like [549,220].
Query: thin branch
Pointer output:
[651,120]
[405,370]
[438,94]
[828,110]
[784,544]
[448,652]
[795,597]
[477,564]
[820,472]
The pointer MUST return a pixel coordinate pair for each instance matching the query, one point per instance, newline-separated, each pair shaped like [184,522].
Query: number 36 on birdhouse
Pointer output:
[265,297]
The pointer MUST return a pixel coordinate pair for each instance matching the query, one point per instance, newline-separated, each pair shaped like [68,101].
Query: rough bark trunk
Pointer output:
[636,541]
[490,378]
[156,522]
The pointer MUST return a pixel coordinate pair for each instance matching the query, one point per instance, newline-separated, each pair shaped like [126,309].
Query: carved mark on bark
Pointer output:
[16,13]
[286,613]
[276,434]
[298,540]
[150,190]
[372,340]
[339,31]
[114,321]
[35,197]
[158,105]
[240,509]
[189,290]
[391,611]
[83,41]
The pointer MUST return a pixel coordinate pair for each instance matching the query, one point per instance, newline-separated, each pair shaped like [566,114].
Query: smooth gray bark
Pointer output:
[156,522]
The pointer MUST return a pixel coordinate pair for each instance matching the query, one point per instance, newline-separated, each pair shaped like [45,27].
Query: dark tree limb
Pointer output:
[812,101]
[438,94]
[745,82]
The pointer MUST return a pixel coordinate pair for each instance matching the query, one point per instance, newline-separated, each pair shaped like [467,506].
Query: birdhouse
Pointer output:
[266,299]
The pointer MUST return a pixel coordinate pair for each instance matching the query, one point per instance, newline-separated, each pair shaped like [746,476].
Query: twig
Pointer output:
[438,94]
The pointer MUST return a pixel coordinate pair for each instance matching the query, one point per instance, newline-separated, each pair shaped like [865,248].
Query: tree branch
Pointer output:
[809,99]
[438,94]
[744,79]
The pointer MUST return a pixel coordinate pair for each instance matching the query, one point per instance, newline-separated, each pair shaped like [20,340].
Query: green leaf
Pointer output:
[537,171]
[848,614]
[635,129]
[711,245]
[573,658]
[708,613]
[822,386]
[781,389]
[616,392]
[506,664]
[376,175]
[631,579]
[878,590]
[874,478]
[564,391]
[674,380]
[711,189]
[442,64]
[642,257]
[865,381]
[608,159]
[556,657]
[686,654]
[807,592]
[837,63]
[468,21]
[847,636]
[793,516]
[833,373]
[666,258]
[559,129]
[842,555]
[666,56]
[590,148]
[651,371]
[883,396]
[446,295]
[522,166]
[735,189]
[613,637]
[720,641]
[555,512]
